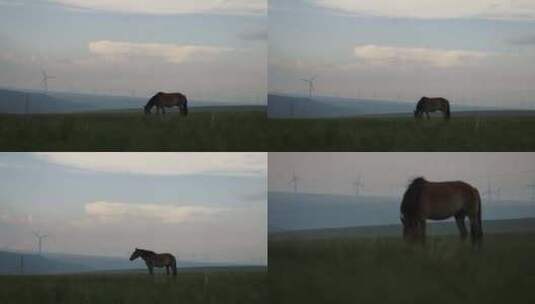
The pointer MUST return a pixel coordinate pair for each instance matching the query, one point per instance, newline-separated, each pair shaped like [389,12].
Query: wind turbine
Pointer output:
[45,79]
[358,184]
[310,83]
[532,188]
[294,181]
[40,238]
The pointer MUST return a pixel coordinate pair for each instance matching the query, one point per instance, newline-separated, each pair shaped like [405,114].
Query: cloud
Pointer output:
[388,55]
[167,7]
[435,9]
[248,164]
[170,214]
[14,219]
[173,53]
[10,3]
[254,35]
[523,40]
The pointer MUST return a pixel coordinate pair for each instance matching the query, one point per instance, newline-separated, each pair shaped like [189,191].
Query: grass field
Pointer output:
[116,131]
[386,270]
[190,287]
[404,134]
[252,131]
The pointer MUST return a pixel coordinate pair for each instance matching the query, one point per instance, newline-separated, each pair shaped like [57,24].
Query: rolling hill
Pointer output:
[55,263]
[303,211]
[286,106]
[14,101]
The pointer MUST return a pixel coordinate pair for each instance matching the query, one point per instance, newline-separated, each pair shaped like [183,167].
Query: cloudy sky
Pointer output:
[479,52]
[124,47]
[388,174]
[201,206]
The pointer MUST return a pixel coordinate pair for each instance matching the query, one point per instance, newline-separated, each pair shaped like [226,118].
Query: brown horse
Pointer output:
[167,100]
[438,201]
[153,259]
[433,104]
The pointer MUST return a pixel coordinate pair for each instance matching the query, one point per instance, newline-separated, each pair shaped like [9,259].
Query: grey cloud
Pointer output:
[254,35]
[523,40]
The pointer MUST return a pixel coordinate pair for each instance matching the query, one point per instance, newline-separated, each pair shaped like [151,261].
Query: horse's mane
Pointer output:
[409,206]
[420,103]
[146,251]
[153,99]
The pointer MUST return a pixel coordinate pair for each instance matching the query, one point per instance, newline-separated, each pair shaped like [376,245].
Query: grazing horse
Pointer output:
[433,104]
[167,100]
[153,259]
[438,201]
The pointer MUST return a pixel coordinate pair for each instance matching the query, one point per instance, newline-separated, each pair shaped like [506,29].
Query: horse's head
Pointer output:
[411,228]
[136,254]
[147,109]
[419,107]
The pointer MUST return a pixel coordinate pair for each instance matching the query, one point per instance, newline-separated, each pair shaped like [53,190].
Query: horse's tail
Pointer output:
[479,217]
[173,265]
[448,112]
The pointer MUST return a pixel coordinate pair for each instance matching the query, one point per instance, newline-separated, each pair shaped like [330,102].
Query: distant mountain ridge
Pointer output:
[300,211]
[521,225]
[14,101]
[13,262]
[288,106]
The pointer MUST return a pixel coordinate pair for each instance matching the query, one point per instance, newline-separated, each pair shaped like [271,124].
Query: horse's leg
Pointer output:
[473,229]
[150,270]
[427,114]
[459,219]
[422,231]
[167,269]
[163,110]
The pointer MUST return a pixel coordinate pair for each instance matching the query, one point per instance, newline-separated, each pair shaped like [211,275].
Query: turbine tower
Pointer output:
[531,187]
[310,83]
[294,181]
[45,79]
[358,184]
[40,238]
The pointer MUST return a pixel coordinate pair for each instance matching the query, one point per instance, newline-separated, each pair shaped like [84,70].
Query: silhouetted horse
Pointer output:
[426,105]
[438,201]
[153,259]
[167,100]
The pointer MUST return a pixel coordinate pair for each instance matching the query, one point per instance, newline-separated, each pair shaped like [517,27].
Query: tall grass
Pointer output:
[252,131]
[385,270]
[194,287]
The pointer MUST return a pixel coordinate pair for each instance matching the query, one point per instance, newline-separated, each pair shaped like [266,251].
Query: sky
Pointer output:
[208,207]
[209,50]
[479,52]
[388,174]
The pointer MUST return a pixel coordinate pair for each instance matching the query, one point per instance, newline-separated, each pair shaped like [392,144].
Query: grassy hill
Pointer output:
[247,129]
[221,285]
[386,270]
[493,133]
[205,129]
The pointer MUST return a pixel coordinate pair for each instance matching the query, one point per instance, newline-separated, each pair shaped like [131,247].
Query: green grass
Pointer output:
[200,131]
[206,130]
[404,134]
[386,270]
[221,287]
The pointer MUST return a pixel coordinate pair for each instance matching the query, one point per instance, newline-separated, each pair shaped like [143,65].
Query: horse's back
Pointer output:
[170,99]
[444,199]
